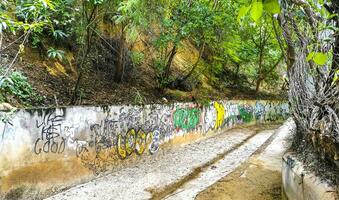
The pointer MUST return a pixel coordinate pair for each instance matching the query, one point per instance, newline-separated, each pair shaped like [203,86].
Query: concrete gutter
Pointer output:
[299,184]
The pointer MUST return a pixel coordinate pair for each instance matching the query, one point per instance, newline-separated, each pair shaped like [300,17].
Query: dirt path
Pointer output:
[257,179]
[177,173]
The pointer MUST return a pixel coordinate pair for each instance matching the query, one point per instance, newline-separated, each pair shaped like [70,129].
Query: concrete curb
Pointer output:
[299,184]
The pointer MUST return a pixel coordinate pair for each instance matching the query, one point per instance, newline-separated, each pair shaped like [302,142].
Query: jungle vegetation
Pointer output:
[258,44]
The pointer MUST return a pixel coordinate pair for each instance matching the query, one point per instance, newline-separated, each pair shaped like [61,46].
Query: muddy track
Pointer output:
[161,193]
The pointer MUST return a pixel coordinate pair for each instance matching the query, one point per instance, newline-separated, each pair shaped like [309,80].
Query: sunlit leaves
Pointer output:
[318,58]
[310,56]
[8,24]
[257,10]
[242,12]
[272,6]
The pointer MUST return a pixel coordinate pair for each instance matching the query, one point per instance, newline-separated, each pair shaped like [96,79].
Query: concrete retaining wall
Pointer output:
[65,144]
[298,184]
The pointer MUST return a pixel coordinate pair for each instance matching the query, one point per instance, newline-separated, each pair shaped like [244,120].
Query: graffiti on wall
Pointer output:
[232,114]
[186,118]
[50,139]
[98,138]
[246,113]
[220,110]
[160,119]
[107,144]
[228,114]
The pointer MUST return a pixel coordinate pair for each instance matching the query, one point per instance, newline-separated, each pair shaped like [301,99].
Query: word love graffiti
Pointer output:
[50,140]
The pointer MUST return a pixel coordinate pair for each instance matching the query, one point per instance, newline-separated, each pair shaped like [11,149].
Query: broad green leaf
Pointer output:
[320,58]
[272,6]
[310,56]
[257,10]
[242,12]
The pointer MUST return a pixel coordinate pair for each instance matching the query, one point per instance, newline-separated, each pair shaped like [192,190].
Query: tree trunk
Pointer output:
[169,62]
[258,83]
[265,73]
[120,67]
[195,64]
[88,20]
[120,64]
[313,96]
[84,57]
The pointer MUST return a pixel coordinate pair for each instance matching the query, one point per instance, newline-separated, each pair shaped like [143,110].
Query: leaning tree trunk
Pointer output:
[169,61]
[313,94]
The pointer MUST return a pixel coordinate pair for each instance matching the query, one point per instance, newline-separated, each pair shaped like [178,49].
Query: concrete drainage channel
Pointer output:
[174,188]
[44,151]
[180,173]
[187,171]
[212,171]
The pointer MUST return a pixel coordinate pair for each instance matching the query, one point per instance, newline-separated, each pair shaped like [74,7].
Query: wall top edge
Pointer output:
[107,106]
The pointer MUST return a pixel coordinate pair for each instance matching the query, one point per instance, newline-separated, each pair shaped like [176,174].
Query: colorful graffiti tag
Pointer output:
[186,118]
[219,108]
[99,137]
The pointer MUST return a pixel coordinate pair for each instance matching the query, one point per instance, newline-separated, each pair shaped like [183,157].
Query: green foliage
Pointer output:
[59,34]
[272,6]
[317,57]
[6,21]
[259,48]
[137,58]
[159,69]
[56,53]
[16,84]
[44,17]
[242,12]
[138,97]
[213,25]
[257,10]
